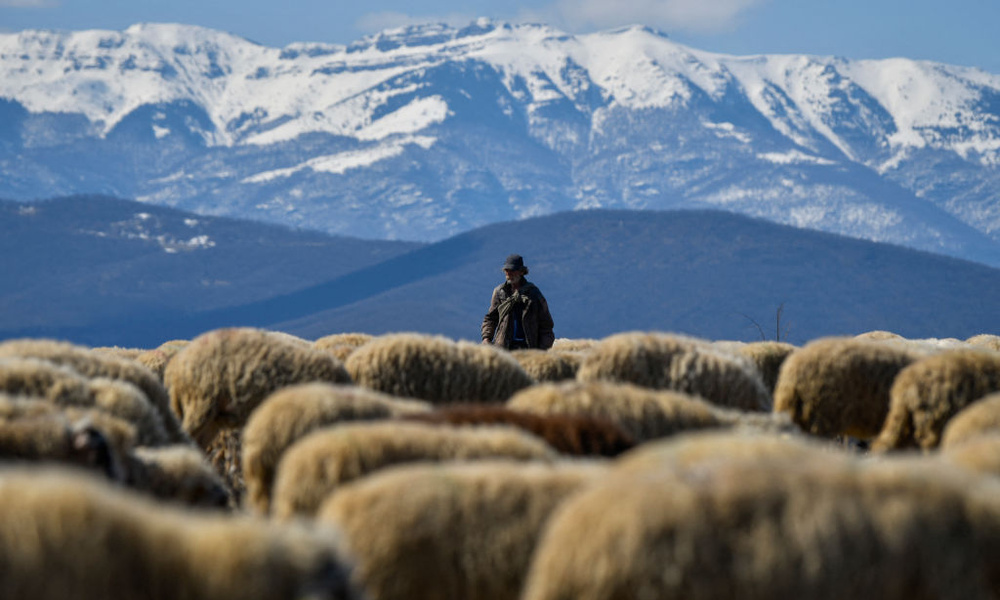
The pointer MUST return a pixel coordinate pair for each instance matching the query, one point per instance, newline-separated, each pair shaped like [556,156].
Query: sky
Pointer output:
[958,32]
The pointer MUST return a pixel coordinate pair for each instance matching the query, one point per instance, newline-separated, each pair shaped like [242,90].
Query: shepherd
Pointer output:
[519,315]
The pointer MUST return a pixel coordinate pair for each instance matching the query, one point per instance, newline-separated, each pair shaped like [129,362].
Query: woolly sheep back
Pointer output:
[761,530]
[178,474]
[423,532]
[840,386]
[677,363]
[57,526]
[436,369]
[644,413]
[767,357]
[980,454]
[985,340]
[316,466]
[982,417]
[290,413]
[223,375]
[578,435]
[542,365]
[92,364]
[926,394]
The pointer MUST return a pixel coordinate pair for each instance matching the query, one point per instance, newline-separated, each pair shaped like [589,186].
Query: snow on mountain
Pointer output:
[421,132]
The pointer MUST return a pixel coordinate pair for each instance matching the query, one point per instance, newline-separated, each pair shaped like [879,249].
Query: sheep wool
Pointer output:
[840,386]
[577,435]
[436,369]
[573,345]
[644,413]
[677,363]
[37,432]
[982,417]
[988,341]
[545,366]
[223,375]
[768,358]
[756,529]
[179,474]
[295,411]
[93,364]
[65,387]
[980,454]
[316,466]
[339,340]
[437,532]
[926,394]
[156,359]
[66,536]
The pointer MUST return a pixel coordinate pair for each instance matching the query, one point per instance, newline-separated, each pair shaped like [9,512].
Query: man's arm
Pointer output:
[491,319]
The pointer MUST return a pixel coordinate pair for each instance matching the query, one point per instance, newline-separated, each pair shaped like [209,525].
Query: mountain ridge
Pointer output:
[706,273]
[424,132]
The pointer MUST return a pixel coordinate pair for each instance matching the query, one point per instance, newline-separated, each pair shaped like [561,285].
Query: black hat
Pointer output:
[514,262]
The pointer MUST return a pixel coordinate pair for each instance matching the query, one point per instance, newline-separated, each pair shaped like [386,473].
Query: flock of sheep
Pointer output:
[252,464]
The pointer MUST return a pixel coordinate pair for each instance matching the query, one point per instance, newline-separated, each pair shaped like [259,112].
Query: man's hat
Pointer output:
[514,262]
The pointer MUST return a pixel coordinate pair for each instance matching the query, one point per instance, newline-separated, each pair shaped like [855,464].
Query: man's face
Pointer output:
[513,275]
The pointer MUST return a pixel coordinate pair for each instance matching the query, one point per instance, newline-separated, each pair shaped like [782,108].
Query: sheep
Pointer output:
[643,413]
[342,345]
[574,345]
[65,387]
[541,365]
[316,466]
[436,369]
[92,364]
[36,431]
[690,450]
[840,386]
[982,417]
[422,532]
[755,529]
[295,411]
[985,340]
[67,536]
[878,336]
[678,363]
[932,390]
[177,474]
[980,454]
[217,380]
[156,359]
[768,358]
[569,434]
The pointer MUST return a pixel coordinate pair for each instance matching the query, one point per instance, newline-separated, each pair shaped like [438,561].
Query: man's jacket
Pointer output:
[534,311]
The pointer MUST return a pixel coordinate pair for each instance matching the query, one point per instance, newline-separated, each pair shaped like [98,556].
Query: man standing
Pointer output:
[519,315]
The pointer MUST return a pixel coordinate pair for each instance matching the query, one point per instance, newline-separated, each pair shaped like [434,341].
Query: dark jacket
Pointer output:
[535,317]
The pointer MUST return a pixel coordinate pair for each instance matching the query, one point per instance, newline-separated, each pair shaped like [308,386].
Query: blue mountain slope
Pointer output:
[704,273]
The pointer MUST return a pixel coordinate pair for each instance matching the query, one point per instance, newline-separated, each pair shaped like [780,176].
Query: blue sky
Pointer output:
[961,32]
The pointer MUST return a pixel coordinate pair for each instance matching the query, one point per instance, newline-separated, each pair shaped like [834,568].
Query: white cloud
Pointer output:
[703,16]
[377,21]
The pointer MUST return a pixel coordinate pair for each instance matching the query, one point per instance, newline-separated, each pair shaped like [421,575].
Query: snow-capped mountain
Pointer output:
[423,132]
